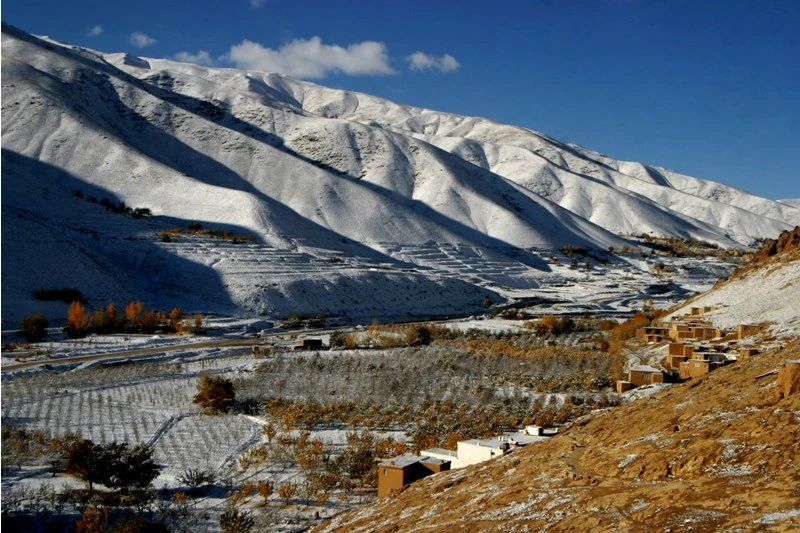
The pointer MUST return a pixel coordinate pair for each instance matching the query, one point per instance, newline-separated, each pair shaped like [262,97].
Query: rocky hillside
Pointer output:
[766,290]
[716,453]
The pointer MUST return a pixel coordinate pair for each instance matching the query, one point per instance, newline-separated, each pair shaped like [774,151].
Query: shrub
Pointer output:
[233,520]
[215,394]
[417,336]
[194,478]
[351,341]
[164,236]
[337,339]
[105,320]
[287,490]
[293,320]
[198,328]
[265,489]
[34,327]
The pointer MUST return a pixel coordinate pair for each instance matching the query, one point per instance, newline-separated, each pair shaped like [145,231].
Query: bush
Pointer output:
[194,478]
[215,394]
[34,327]
[105,320]
[337,339]
[233,520]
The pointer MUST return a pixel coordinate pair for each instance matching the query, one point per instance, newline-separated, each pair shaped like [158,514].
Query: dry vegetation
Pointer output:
[197,229]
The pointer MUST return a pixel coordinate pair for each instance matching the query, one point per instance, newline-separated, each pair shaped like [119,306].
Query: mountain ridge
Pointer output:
[302,168]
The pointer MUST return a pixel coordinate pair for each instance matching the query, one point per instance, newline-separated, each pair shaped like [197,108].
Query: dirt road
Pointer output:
[127,354]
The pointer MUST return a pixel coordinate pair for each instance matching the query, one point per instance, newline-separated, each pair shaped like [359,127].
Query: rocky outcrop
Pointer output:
[787,242]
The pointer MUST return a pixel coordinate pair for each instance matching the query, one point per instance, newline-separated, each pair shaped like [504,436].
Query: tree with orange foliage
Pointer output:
[175,317]
[287,490]
[77,323]
[133,312]
[265,488]
[104,320]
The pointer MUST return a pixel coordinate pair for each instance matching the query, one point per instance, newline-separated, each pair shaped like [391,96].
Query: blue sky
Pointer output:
[710,88]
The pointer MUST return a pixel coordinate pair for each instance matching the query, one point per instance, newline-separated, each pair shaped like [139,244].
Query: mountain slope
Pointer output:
[324,183]
[716,453]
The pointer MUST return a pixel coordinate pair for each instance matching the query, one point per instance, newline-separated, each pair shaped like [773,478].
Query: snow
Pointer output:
[359,208]
[763,295]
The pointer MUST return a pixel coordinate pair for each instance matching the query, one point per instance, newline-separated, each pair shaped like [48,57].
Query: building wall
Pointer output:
[470,454]
[676,348]
[639,378]
[624,386]
[694,368]
[745,330]
[390,480]
[676,360]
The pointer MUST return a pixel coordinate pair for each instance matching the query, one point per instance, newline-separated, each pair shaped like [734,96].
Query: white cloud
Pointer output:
[97,30]
[141,40]
[312,59]
[200,58]
[423,61]
[255,4]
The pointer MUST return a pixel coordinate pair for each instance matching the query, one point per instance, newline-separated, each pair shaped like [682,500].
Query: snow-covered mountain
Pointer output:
[345,194]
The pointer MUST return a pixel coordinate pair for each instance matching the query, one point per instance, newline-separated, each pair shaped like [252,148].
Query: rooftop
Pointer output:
[644,368]
[402,461]
[440,451]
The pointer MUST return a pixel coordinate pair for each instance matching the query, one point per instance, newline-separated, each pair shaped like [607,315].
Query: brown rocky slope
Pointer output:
[718,453]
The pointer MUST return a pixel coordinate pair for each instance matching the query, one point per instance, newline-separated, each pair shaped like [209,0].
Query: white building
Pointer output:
[475,451]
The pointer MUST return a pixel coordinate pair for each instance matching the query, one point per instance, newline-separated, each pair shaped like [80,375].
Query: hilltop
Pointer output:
[721,452]
[316,200]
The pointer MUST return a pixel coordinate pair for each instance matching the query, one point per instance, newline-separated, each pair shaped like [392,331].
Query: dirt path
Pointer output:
[572,460]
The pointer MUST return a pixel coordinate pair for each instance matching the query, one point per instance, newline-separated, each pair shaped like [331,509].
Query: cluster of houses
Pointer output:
[396,473]
[694,348]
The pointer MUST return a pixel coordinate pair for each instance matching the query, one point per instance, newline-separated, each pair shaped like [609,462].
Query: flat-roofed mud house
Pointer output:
[396,473]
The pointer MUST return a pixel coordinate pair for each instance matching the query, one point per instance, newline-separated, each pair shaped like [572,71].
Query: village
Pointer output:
[693,347]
